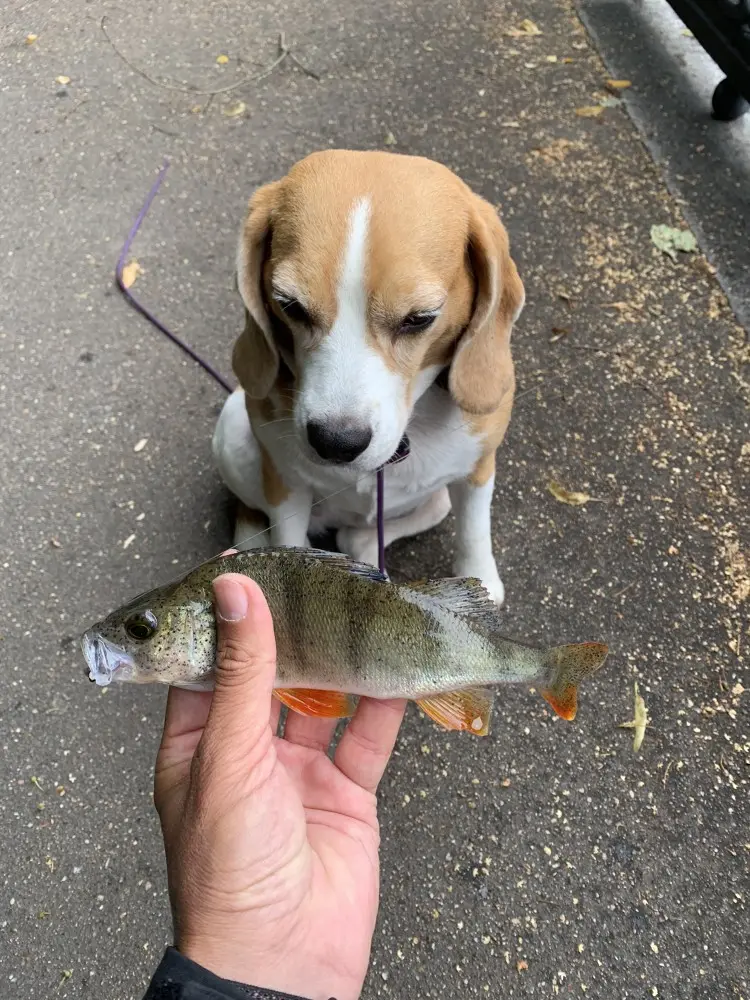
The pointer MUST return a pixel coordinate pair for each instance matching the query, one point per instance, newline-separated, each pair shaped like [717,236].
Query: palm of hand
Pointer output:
[281,850]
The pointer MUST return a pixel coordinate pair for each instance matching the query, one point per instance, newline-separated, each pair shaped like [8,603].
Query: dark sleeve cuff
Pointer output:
[177,978]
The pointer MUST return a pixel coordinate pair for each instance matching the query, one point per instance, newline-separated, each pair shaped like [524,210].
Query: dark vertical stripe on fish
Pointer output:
[366,619]
[294,604]
[354,612]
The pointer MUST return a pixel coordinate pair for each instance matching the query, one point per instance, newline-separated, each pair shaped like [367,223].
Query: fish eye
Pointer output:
[141,625]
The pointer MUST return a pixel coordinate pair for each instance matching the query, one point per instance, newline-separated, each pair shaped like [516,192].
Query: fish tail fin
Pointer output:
[564,667]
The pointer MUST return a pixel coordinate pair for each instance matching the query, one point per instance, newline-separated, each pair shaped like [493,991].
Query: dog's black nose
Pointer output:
[337,442]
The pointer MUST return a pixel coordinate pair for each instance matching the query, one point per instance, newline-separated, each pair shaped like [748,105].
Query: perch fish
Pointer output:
[343,630]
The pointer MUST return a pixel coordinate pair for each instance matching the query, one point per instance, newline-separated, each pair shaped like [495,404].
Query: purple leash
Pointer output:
[380,521]
[139,306]
[147,314]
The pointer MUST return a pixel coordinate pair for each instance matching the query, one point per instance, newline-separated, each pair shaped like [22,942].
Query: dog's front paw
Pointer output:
[486,571]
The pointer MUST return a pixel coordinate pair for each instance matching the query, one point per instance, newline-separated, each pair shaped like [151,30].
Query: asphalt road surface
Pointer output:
[550,859]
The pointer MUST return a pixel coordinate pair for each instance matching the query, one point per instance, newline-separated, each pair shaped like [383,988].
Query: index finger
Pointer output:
[368,741]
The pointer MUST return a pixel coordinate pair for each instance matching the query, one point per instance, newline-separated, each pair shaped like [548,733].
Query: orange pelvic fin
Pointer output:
[321,704]
[468,710]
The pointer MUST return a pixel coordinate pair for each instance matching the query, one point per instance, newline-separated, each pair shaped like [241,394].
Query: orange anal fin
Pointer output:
[564,701]
[321,704]
[469,710]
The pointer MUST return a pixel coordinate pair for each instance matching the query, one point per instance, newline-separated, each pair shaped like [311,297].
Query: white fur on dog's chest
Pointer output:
[443,450]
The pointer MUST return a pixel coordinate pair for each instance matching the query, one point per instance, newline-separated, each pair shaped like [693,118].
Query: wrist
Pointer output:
[179,976]
[278,975]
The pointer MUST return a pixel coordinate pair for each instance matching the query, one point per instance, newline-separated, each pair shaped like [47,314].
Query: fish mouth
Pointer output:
[105,661]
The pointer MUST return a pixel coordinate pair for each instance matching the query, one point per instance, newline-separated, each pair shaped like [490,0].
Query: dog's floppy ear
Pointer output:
[482,371]
[256,358]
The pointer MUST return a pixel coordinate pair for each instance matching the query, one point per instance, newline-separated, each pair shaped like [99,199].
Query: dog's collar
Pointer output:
[442,380]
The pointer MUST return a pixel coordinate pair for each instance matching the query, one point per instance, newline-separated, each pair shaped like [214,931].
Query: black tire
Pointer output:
[728,103]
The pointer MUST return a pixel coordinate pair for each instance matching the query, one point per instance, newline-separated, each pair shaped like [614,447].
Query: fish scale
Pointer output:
[342,630]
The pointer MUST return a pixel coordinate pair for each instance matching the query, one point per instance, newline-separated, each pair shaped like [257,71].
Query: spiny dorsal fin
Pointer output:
[336,560]
[463,596]
[469,710]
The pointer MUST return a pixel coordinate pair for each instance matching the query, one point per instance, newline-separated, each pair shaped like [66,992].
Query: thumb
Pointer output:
[245,665]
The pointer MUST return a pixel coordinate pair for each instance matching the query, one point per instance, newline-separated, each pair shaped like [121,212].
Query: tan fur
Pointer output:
[256,358]
[424,218]
[432,242]
[274,489]
[491,431]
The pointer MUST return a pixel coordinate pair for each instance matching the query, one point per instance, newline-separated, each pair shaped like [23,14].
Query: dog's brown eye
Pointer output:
[417,322]
[295,311]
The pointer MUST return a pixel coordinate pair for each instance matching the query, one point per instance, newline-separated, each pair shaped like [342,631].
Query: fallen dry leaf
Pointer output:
[63,81]
[130,272]
[620,306]
[669,240]
[234,110]
[592,111]
[567,59]
[31,38]
[556,151]
[570,497]
[639,721]
[522,966]
[140,445]
[619,84]
[390,139]
[526,29]
[222,60]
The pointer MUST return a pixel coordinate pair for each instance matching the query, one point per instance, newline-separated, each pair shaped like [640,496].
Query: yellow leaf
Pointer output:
[222,60]
[31,38]
[639,721]
[526,29]
[196,109]
[569,497]
[62,80]
[567,59]
[390,139]
[130,272]
[235,110]
[619,84]
[590,112]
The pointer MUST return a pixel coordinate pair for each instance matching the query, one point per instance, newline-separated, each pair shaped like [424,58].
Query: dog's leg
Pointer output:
[472,506]
[362,543]
[250,529]
[249,473]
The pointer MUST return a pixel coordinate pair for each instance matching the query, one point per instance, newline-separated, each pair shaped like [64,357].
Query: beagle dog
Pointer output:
[379,300]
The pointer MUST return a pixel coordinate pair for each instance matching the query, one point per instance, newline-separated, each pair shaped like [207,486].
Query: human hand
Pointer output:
[272,848]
